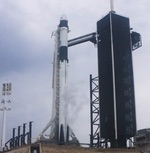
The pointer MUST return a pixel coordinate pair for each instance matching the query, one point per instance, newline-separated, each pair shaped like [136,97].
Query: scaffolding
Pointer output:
[95,116]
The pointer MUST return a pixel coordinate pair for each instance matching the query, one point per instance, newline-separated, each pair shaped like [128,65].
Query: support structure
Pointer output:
[95,115]
[89,37]
[21,139]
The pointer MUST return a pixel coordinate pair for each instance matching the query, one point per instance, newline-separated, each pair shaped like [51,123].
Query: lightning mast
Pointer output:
[6,91]
[112,5]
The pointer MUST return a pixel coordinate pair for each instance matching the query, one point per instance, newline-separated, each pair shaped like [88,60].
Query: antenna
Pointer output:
[112,5]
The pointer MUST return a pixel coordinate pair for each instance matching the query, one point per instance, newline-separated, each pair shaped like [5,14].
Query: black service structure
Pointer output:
[116,83]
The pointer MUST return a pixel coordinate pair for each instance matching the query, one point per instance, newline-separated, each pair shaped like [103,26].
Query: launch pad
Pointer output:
[113,119]
[46,148]
[115,104]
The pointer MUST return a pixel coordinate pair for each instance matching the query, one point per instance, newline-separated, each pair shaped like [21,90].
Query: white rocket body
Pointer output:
[60,130]
[60,104]
[63,58]
[63,100]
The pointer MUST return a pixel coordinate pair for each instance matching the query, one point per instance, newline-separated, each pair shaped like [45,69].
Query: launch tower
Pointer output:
[116,85]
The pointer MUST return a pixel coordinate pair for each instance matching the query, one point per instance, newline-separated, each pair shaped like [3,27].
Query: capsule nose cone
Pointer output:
[63,17]
[63,21]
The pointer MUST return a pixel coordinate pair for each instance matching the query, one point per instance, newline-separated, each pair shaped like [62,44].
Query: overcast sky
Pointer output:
[26,55]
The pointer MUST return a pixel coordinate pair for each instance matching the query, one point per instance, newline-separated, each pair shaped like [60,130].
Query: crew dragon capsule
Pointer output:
[63,29]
